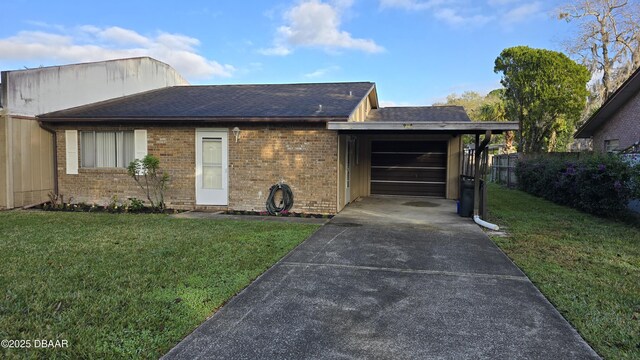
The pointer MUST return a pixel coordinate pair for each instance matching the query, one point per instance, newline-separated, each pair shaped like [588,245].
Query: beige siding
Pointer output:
[342,144]
[32,162]
[361,112]
[3,162]
[360,169]
[454,167]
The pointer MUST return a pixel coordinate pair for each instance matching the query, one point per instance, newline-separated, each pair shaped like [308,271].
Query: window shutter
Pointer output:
[140,143]
[71,144]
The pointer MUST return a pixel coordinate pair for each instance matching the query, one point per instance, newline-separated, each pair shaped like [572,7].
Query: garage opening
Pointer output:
[413,168]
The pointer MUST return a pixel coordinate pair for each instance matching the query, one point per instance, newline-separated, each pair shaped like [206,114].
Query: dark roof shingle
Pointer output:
[418,114]
[338,100]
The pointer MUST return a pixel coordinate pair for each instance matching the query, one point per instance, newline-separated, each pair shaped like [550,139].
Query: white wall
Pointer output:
[38,91]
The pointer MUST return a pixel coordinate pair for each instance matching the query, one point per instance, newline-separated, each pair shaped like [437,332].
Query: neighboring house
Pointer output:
[26,149]
[225,146]
[616,125]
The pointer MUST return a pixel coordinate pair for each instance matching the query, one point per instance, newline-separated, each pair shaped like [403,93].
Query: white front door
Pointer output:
[212,180]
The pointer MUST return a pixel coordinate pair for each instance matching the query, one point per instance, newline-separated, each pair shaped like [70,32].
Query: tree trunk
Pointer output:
[607,67]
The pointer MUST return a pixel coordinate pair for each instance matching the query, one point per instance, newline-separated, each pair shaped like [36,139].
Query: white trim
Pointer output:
[440,126]
[218,197]
[71,147]
[139,144]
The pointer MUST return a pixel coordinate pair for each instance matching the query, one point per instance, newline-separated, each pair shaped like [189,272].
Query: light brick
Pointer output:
[304,157]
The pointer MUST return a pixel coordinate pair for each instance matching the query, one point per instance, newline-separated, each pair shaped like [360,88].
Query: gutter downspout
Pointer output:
[480,147]
[55,154]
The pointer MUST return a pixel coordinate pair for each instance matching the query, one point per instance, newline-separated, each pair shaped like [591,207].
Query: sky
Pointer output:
[416,51]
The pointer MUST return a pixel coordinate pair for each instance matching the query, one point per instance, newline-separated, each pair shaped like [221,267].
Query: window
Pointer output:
[106,149]
[611,145]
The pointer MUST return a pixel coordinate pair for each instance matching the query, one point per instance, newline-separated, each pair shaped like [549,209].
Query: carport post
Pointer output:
[480,147]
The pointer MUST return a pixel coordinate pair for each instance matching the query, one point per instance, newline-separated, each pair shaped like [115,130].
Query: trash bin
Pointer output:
[466,196]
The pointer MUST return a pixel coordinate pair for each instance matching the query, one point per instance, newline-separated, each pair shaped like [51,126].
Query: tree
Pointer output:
[494,109]
[489,107]
[546,92]
[471,101]
[607,41]
[146,173]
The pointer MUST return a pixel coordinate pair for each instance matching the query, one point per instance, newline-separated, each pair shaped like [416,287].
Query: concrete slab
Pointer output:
[386,280]
[217,216]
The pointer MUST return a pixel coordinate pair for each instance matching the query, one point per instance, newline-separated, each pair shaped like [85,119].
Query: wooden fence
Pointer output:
[502,168]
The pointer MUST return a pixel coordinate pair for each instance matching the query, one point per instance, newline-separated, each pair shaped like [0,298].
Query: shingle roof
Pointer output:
[338,100]
[418,114]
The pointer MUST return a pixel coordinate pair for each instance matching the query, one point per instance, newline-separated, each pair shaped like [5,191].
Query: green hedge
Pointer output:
[600,184]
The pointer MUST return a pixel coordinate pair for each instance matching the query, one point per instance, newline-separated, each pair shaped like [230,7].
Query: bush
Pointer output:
[147,174]
[600,184]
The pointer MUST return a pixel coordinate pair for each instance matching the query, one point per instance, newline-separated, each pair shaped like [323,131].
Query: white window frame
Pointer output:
[94,132]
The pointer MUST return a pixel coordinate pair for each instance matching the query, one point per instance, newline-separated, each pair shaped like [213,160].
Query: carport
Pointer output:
[409,151]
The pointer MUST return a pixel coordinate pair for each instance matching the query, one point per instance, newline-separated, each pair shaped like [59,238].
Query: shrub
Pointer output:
[136,205]
[147,174]
[600,184]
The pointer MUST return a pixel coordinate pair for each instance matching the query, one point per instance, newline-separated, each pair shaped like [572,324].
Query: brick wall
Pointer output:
[305,157]
[624,126]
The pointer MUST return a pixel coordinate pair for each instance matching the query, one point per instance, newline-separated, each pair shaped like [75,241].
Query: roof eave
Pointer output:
[435,126]
[145,119]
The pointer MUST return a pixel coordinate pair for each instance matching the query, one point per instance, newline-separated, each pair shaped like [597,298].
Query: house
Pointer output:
[26,149]
[616,125]
[224,146]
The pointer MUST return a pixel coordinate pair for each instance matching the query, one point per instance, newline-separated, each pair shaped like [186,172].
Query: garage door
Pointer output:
[416,168]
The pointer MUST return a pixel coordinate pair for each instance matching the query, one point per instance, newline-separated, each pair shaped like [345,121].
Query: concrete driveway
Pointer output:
[389,278]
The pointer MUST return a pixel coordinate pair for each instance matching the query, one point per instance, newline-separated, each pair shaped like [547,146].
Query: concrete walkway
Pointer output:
[389,278]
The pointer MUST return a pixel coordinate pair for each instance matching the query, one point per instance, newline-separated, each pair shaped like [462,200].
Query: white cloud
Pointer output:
[313,23]
[411,4]
[470,13]
[453,17]
[121,36]
[391,103]
[500,2]
[387,103]
[522,12]
[91,43]
[322,72]
[276,50]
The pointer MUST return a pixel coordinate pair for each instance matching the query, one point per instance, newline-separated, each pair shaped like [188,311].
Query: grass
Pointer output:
[124,286]
[588,267]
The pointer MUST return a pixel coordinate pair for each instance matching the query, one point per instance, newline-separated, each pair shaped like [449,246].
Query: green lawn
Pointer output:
[588,267]
[125,285]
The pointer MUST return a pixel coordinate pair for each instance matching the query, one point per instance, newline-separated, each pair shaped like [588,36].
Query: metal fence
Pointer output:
[503,169]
